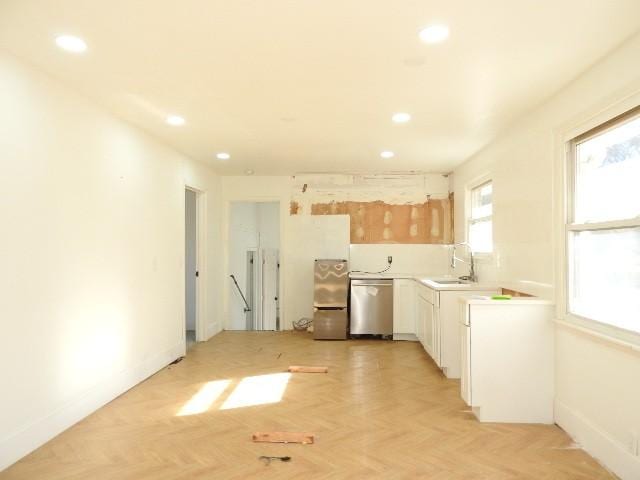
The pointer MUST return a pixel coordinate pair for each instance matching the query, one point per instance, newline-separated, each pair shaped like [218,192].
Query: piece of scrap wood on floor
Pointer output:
[303,369]
[283,437]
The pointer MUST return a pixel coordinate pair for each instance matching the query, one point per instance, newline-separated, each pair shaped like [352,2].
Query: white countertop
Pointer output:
[426,280]
[514,301]
[432,282]
[386,275]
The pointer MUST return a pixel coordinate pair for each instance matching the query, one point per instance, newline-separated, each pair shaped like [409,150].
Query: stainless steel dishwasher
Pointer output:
[371,307]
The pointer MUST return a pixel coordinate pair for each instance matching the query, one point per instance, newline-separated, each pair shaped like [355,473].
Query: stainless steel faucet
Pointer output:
[472,270]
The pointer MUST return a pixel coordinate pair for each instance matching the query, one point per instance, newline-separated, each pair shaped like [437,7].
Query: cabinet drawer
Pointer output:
[430,295]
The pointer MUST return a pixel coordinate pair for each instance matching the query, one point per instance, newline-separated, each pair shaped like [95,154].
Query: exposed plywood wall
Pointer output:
[388,208]
[381,222]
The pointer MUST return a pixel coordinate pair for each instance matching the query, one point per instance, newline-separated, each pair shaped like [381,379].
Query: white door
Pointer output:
[269,289]
[191,260]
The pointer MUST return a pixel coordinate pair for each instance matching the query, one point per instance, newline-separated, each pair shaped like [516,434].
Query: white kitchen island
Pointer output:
[507,358]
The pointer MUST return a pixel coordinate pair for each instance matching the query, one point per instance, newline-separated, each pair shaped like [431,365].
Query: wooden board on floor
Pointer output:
[303,369]
[283,437]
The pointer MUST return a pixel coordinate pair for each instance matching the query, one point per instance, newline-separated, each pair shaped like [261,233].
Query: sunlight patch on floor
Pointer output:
[202,401]
[258,390]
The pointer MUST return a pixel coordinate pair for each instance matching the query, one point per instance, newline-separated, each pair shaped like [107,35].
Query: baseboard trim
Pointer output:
[409,337]
[212,329]
[18,444]
[611,453]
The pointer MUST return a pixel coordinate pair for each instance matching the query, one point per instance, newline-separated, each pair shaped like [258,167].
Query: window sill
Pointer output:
[574,325]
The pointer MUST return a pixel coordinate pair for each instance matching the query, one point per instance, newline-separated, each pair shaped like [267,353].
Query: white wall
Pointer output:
[597,387]
[425,260]
[92,247]
[268,215]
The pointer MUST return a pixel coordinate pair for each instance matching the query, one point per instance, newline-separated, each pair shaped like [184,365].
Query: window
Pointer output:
[603,225]
[480,221]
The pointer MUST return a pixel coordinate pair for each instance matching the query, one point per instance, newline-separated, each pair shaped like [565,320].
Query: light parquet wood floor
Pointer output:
[383,411]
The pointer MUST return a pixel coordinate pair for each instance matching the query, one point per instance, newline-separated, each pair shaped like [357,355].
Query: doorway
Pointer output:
[191,272]
[254,266]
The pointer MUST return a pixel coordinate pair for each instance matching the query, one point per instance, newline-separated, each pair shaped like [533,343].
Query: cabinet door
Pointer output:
[404,306]
[465,360]
[421,305]
[429,329]
[437,337]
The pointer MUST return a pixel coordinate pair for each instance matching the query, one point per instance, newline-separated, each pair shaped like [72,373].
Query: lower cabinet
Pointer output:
[507,354]
[430,333]
[421,307]
[404,309]
[437,325]
[465,360]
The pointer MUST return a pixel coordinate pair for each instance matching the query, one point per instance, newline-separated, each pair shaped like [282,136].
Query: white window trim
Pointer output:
[564,188]
[469,187]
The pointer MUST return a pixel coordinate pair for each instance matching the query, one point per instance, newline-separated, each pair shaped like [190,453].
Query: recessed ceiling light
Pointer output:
[223,156]
[434,33]
[71,44]
[401,117]
[387,154]
[175,120]
[248,172]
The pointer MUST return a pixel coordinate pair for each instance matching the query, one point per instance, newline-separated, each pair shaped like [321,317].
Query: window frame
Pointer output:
[475,185]
[571,226]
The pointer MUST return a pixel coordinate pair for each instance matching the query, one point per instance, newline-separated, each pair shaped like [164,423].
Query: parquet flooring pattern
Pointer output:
[384,411]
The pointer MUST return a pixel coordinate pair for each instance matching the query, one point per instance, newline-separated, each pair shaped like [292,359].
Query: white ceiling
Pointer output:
[290,86]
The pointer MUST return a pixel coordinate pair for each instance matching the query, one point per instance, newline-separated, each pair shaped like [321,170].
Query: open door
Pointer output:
[191,266]
[269,289]
[253,262]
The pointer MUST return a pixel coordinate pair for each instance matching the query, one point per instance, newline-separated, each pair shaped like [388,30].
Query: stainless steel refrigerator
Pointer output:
[330,296]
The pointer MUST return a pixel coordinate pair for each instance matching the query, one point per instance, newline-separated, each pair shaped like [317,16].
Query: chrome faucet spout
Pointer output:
[472,270]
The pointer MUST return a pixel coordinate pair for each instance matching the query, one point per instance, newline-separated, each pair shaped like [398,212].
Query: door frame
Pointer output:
[201,265]
[226,213]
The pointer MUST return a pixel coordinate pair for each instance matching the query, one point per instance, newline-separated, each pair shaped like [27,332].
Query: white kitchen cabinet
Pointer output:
[507,352]
[438,322]
[421,308]
[465,360]
[430,335]
[404,309]
[448,328]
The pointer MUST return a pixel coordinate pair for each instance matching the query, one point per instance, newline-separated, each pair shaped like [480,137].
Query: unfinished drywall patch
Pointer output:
[381,222]
[386,208]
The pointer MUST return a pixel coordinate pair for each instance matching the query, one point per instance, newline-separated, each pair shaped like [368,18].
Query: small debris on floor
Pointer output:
[284,437]
[571,446]
[279,355]
[267,460]
[176,361]
[303,369]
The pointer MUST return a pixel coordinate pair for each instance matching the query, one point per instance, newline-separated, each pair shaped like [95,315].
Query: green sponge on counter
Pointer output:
[501,297]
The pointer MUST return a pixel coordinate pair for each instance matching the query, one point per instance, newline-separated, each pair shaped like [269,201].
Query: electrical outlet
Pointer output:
[389,259]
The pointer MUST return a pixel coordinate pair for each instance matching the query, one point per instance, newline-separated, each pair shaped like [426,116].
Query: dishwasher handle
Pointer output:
[372,283]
